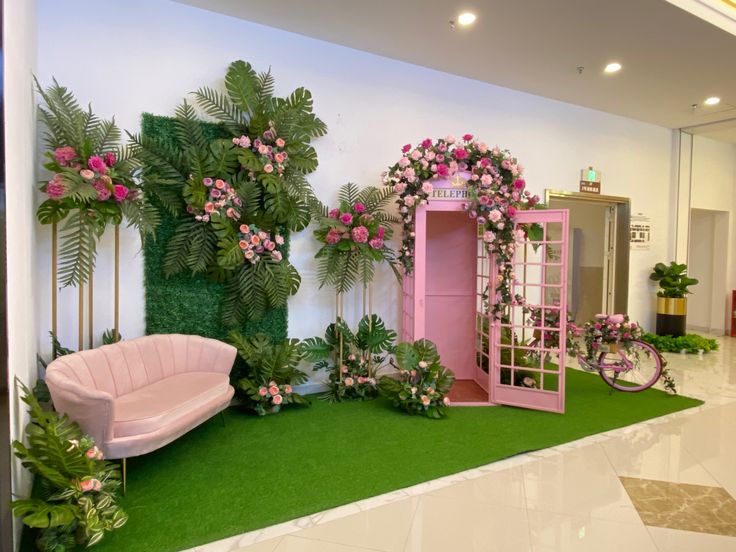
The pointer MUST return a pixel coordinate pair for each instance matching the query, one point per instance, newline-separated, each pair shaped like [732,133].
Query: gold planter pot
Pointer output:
[672,306]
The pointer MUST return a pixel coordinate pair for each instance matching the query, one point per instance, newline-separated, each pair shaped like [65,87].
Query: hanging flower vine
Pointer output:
[496,192]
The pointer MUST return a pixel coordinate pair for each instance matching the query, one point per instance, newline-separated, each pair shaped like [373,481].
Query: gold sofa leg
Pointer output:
[124,465]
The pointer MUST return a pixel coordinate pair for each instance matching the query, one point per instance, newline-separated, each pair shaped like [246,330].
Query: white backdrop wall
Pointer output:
[19,41]
[137,56]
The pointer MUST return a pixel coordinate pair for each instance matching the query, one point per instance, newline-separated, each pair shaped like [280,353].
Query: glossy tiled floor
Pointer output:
[566,498]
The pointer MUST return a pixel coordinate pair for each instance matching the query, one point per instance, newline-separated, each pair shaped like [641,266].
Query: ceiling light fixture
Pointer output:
[466,18]
[613,67]
[713,100]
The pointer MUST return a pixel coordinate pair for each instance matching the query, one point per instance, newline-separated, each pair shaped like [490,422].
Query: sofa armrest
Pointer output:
[92,409]
[223,356]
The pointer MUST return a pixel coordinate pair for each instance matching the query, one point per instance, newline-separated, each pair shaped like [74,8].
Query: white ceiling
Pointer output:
[671,59]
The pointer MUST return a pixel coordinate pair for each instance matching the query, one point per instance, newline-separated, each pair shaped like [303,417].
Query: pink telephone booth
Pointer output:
[517,360]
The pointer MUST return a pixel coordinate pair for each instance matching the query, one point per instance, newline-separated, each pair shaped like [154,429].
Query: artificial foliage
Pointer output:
[690,343]
[271,372]
[78,489]
[672,279]
[496,192]
[354,237]
[255,176]
[421,383]
[92,182]
[352,359]
[186,303]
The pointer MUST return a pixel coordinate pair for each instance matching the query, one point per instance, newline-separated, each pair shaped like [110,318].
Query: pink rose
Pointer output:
[207,181]
[287,389]
[461,153]
[376,243]
[280,142]
[276,255]
[511,211]
[616,319]
[494,215]
[426,143]
[489,236]
[269,245]
[263,149]
[446,401]
[64,155]
[409,201]
[97,164]
[406,148]
[442,170]
[90,485]
[274,390]
[346,218]
[209,207]
[344,369]
[404,162]
[360,234]
[450,139]
[120,192]
[231,213]
[87,174]
[262,391]
[110,159]
[333,236]
[334,213]
[55,188]
[277,399]
[279,157]
[484,200]
[243,244]
[279,239]
[519,184]
[244,228]
[467,137]
[219,184]
[250,255]
[399,187]
[381,231]
[349,381]
[425,400]
[268,168]
[422,364]
[427,187]
[359,208]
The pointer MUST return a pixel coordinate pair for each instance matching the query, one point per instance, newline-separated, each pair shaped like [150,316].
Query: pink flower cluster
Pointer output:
[98,173]
[274,393]
[269,149]
[613,328]
[87,485]
[354,225]
[256,243]
[222,199]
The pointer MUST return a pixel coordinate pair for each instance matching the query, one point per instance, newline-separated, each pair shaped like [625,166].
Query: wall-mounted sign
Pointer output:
[454,188]
[641,232]
[590,181]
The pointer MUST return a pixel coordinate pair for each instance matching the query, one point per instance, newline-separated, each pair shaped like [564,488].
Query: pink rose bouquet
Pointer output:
[220,199]
[605,329]
[265,154]
[258,244]
[358,227]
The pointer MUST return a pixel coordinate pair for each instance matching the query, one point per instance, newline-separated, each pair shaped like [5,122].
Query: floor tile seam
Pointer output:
[411,524]
[526,510]
[360,547]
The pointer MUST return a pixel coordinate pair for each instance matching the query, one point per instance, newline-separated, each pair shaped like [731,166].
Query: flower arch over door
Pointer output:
[496,193]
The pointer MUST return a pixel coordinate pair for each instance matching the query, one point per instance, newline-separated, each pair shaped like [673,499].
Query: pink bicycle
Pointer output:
[632,369]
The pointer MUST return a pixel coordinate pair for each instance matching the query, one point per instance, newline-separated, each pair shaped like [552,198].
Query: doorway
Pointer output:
[598,268]
[708,304]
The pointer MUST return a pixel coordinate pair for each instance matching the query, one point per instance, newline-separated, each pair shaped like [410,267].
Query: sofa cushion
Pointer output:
[161,403]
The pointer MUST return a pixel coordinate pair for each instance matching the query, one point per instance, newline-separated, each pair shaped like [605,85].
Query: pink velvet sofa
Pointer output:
[138,395]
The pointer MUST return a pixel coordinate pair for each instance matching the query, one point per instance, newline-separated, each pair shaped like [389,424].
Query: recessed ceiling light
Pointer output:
[466,18]
[613,67]
[713,100]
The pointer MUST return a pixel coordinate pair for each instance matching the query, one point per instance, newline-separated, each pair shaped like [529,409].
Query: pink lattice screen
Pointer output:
[528,353]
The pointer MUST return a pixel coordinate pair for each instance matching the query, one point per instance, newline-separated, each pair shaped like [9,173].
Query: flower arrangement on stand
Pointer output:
[544,324]
[79,489]
[354,236]
[352,359]
[256,178]
[92,183]
[422,382]
[496,192]
[271,372]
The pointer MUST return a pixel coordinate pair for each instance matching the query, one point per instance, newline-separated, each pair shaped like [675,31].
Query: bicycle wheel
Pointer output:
[633,370]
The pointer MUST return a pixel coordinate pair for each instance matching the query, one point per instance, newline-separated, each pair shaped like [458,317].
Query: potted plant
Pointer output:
[671,301]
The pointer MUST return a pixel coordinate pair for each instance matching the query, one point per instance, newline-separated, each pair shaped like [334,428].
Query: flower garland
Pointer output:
[256,244]
[496,192]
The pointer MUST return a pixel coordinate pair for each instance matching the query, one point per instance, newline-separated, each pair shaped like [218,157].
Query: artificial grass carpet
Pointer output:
[222,480]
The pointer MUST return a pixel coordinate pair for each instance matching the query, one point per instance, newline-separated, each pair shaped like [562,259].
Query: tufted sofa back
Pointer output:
[121,368]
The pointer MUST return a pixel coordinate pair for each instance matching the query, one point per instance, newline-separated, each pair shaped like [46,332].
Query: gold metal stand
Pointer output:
[90,306]
[54,285]
[117,284]
[124,466]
